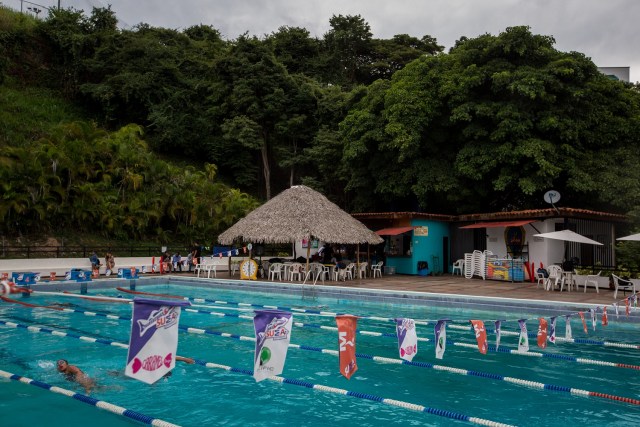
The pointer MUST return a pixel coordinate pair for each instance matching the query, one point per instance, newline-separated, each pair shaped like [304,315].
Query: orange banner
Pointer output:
[584,323]
[347,344]
[481,335]
[542,333]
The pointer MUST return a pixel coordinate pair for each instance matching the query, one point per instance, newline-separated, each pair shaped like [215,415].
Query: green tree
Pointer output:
[256,90]
[494,124]
[349,50]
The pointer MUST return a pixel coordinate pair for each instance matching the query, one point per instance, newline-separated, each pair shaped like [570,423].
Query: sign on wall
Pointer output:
[421,231]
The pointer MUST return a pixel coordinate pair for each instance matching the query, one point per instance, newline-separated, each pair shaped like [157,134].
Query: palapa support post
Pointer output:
[358,260]
[306,274]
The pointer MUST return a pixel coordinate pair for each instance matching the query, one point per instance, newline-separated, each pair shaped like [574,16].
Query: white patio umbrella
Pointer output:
[634,237]
[568,236]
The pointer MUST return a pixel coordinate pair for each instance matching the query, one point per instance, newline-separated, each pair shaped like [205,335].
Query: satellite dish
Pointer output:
[551,197]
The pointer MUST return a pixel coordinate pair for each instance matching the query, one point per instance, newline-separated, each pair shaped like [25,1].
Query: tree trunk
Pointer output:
[266,171]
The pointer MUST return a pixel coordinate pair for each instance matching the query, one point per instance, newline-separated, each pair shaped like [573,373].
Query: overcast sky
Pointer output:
[604,30]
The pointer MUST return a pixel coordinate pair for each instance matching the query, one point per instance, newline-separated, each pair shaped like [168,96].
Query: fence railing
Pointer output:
[85,251]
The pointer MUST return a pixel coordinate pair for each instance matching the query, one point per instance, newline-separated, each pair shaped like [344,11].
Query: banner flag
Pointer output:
[605,319]
[481,335]
[615,307]
[440,333]
[584,322]
[407,338]
[552,329]
[273,334]
[593,313]
[567,327]
[347,344]
[542,333]
[523,342]
[154,338]
[626,303]
[498,324]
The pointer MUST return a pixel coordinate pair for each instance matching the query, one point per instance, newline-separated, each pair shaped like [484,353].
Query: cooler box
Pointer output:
[24,278]
[128,273]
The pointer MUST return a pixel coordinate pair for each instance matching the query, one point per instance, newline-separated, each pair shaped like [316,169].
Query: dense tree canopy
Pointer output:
[496,122]
[376,124]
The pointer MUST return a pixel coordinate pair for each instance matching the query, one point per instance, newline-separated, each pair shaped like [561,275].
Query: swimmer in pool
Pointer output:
[73,373]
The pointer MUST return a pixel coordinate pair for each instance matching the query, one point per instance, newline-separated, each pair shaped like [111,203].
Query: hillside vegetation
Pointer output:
[154,133]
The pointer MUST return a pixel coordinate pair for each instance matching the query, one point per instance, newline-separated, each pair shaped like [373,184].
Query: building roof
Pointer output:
[295,214]
[538,214]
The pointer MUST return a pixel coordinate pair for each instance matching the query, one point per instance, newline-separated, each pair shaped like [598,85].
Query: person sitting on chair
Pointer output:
[95,261]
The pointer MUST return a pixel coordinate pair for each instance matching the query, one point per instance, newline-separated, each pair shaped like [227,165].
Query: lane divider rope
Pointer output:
[380,359]
[505,350]
[284,380]
[383,319]
[110,407]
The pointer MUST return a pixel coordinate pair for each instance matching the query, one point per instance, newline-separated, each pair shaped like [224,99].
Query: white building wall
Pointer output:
[541,250]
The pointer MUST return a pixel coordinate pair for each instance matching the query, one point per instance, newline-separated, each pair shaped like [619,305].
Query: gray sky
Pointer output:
[605,31]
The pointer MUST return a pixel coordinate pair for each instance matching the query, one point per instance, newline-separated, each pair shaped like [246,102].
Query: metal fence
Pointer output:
[38,251]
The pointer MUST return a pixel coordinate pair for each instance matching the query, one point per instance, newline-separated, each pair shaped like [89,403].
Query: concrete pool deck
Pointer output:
[459,285]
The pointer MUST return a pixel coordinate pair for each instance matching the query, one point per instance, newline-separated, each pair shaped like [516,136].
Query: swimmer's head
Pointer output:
[62,364]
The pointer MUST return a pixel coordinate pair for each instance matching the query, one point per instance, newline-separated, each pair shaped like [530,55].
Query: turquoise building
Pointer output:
[415,243]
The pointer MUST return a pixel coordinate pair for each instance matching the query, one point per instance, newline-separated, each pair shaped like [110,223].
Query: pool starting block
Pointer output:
[128,273]
[79,275]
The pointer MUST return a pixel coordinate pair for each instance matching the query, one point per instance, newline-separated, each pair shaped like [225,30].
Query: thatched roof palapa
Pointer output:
[299,213]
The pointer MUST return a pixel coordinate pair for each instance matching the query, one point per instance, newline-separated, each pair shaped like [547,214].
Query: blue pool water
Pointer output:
[196,395]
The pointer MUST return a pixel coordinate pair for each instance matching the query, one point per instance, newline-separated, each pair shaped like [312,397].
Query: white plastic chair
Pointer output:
[592,278]
[349,271]
[623,286]
[362,272]
[457,266]
[200,267]
[275,269]
[342,273]
[295,270]
[376,269]
[235,266]
[555,276]
[211,268]
[540,280]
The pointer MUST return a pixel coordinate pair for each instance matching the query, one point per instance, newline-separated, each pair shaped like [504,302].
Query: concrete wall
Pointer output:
[60,266]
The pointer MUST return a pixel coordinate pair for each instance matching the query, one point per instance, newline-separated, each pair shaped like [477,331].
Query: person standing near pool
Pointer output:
[73,373]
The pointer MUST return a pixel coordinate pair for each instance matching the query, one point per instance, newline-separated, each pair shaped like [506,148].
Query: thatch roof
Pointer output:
[299,213]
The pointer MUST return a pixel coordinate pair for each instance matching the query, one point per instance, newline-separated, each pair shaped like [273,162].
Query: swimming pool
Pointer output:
[198,395]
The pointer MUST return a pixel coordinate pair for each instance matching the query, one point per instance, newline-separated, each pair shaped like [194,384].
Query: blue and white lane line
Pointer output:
[340,391]
[379,359]
[392,402]
[118,410]
[331,314]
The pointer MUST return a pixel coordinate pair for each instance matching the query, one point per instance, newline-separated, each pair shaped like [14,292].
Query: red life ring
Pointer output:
[7,288]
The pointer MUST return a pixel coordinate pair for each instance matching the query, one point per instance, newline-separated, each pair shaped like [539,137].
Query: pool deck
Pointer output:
[458,285]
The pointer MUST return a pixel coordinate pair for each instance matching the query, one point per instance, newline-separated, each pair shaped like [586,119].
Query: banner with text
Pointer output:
[154,339]
[273,334]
